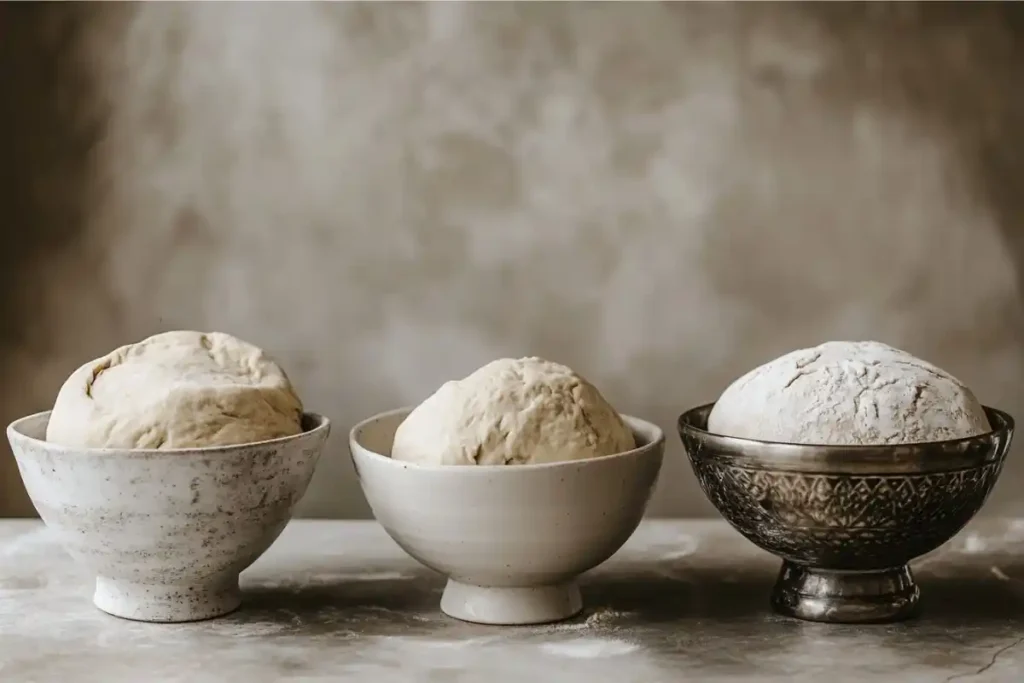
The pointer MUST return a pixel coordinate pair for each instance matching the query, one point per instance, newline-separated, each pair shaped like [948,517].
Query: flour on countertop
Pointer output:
[434,643]
[587,648]
[974,543]
[348,577]
[598,618]
[684,547]
[603,617]
[38,539]
[848,393]
[999,574]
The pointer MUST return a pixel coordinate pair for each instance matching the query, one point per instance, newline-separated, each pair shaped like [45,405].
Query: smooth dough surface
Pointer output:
[178,389]
[845,393]
[512,412]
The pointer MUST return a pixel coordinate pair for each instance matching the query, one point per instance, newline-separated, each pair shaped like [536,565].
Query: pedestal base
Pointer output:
[511,606]
[845,597]
[161,603]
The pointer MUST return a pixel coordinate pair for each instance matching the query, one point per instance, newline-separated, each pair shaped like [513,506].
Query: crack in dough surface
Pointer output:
[512,412]
[848,393]
[179,389]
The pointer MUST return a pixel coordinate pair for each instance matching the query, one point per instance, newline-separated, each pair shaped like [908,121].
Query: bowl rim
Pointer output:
[655,444]
[320,422]
[920,456]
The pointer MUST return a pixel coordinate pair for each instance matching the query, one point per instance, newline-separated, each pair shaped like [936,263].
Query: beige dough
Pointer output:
[512,412]
[848,393]
[176,390]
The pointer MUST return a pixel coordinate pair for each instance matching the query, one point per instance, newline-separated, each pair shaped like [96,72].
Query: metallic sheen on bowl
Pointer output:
[846,520]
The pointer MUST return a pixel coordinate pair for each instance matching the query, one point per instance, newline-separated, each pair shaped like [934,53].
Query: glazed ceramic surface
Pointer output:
[166,532]
[511,539]
[846,519]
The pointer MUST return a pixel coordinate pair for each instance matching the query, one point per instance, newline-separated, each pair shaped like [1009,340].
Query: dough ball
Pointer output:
[176,390]
[848,393]
[512,412]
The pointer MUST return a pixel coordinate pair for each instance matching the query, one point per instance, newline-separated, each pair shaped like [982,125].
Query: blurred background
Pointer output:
[386,196]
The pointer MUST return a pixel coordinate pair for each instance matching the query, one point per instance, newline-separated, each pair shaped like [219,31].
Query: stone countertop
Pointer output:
[683,600]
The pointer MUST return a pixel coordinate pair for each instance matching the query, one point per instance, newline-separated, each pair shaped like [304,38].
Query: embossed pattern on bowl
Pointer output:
[846,507]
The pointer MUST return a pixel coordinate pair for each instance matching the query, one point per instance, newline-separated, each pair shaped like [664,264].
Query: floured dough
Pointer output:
[512,412]
[176,390]
[848,393]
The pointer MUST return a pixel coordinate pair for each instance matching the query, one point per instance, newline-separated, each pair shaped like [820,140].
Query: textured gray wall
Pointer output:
[386,196]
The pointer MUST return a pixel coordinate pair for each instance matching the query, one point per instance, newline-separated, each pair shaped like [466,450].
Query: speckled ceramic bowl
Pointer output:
[166,532]
[512,539]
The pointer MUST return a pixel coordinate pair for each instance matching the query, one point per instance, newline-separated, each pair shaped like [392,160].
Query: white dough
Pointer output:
[512,412]
[176,390]
[848,393]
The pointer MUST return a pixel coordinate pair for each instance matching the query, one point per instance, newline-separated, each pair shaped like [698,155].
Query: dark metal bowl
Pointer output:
[846,520]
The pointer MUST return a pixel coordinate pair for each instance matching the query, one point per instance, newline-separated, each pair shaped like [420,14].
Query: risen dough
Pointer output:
[512,412]
[848,393]
[176,390]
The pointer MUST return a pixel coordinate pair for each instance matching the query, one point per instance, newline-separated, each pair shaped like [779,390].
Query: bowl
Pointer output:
[510,538]
[166,532]
[846,520]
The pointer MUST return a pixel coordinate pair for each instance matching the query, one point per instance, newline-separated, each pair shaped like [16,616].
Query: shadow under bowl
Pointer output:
[511,539]
[166,532]
[846,520]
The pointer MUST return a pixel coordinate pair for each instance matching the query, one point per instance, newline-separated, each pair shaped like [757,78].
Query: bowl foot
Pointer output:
[511,606]
[162,603]
[845,597]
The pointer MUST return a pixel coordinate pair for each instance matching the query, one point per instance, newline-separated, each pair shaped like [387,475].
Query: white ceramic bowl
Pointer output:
[166,532]
[511,539]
